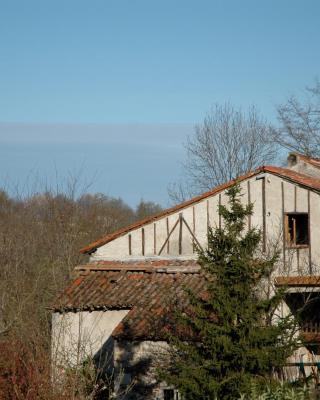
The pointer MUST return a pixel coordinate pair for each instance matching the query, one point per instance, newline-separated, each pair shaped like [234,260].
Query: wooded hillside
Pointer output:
[40,238]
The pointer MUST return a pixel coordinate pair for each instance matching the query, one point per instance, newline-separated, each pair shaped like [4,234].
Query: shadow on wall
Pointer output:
[135,377]
[125,370]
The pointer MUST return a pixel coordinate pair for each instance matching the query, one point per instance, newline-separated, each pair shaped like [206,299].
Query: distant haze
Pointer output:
[131,161]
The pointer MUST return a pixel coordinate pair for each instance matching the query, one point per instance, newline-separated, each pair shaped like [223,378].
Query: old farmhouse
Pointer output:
[115,307]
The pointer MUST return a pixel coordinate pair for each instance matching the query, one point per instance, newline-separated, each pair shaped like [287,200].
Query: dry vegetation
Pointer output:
[40,238]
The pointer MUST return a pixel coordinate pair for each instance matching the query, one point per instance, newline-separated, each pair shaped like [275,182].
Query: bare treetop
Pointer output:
[300,123]
[227,144]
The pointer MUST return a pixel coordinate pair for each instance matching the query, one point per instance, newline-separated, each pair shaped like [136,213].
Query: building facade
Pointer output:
[115,308]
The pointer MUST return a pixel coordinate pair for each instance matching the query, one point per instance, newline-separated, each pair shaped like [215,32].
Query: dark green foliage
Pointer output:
[233,341]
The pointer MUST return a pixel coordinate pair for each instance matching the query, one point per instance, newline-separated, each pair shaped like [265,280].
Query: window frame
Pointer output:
[288,242]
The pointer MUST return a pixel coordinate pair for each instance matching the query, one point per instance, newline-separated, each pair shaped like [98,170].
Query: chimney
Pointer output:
[292,160]
[304,165]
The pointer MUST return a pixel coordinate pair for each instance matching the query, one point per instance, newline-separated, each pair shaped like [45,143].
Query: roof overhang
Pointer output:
[298,283]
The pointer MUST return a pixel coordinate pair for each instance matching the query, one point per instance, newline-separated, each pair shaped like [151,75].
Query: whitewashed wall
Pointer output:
[76,336]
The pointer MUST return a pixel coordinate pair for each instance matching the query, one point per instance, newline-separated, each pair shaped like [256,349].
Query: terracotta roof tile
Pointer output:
[284,173]
[149,296]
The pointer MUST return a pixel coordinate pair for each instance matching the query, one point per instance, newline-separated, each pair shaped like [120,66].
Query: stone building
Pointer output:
[116,307]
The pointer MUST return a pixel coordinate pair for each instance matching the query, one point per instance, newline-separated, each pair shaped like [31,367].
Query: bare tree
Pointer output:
[146,208]
[40,237]
[228,143]
[300,122]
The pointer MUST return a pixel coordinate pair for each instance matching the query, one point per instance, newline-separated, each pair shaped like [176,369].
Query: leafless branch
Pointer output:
[227,144]
[300,122]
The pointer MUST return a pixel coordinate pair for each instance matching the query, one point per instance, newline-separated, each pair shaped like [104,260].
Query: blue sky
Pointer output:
[114,87]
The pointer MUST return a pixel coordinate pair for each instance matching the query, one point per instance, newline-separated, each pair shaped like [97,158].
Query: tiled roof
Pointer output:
[148,290]
[309,280]
[287,174]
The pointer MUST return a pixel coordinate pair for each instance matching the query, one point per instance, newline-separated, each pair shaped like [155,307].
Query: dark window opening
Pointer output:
[305,306]
[297,229]
[168,394]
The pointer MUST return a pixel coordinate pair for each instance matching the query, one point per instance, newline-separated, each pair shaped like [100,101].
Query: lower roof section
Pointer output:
[148,289]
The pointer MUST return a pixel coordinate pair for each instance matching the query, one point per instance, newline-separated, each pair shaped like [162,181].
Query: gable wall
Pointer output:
[148,240]
[271,195]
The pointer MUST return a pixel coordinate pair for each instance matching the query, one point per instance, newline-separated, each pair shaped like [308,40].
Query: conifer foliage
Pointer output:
[237,336]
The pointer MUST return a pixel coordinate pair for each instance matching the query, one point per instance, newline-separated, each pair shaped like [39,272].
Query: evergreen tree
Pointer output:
[234,336]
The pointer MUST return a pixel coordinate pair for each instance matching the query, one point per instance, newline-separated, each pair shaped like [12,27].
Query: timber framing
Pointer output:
[310,183]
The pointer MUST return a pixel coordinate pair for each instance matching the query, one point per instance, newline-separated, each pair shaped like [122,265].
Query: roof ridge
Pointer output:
[138,268]
[143,261]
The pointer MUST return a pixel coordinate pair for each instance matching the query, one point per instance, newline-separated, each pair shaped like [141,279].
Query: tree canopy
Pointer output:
[228,143]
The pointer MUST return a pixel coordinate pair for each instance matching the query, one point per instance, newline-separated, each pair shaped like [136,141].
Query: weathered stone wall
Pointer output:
[135,366]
